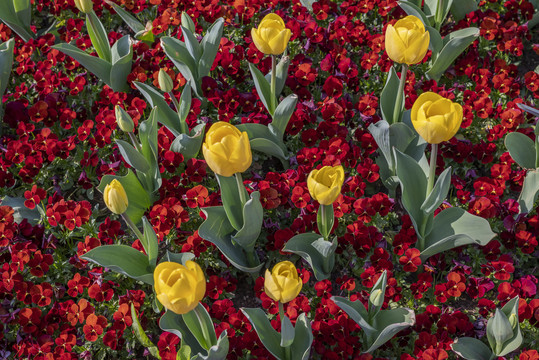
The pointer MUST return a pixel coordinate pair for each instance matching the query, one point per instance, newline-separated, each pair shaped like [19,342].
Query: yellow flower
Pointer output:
[115,197]
[407,41]
[325,184]
[436,118]
[226,149]
[85,6]
[179,288]
[283,283]
[272,36]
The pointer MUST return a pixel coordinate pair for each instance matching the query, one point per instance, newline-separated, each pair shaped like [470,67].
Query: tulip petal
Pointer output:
[260,43]
[395,47]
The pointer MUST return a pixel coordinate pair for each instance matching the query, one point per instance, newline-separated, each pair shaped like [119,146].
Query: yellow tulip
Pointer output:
[407,41]
[283,283]
[179,288]
[436,118]
[226,149]
[115,197]
[325,184]
[272,36]
[85,6]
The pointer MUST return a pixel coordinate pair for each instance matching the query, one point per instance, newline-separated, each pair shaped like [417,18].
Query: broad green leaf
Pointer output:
[388,323]
[283,113]
[184,353]
[436,43]
[210,45]
[147,132]
[287,332]
[439,193]
[454,227]
[389,95]
[174,323]
[97,66]
[461,8]
[15,21]
[192,45]
[356,311]
[267,334]
[217,230]
[529,109]
[303,339]
[180,56]
[231,200]
[255,131]
[139,199]
[129,19]
[471,349]
[150,242]
[380,133]
[185,102]
[23,11]
[122,58]
[499,330]
[218,351]
[6,63]
[379,286]
[530,191]
[511,311]
[412,9]
[302,245]
[268,147]
[282,75]
[98,36]
[187,22]
[193,319]
[521,148]
[20,210]
[122,259]
[430,7]
[253,216]
[325,225]
[180,258]
[167,116]
[141,335]
[454,44]
[189,146]
[132,156]
[262,87]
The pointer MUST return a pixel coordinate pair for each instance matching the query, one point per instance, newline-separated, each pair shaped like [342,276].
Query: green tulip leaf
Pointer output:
[454,227]
[193,319]
[282,74]
[179,54]
[325,225]
[180,258]
[147,132]
[439,192]
[187,22]
[529,109]
[167,116]
[192,45]
[454,44]
[20,211]
[122,59]
[184,353]
[141,335]
[210,45]
[510,310]
[413,9]
[303,339]
[97,66]
[175,324]
[357,312]
[129,19]
[436,43]
[122,259]
[389,95]
[262,87]
[267,334]
[461,8]
[150,242]
[139,199]
[185,103]
[379,289]
[287,332]
[499,330]
[187,145]
[253,216]
[388,323]
[6,63]
[16,14]
[471,349]
[132,156]
[218,230]
[521,148]
[98,36]
[530,191]
[268,147]
[218,351]
[304,246]
[231,199]
[282,115]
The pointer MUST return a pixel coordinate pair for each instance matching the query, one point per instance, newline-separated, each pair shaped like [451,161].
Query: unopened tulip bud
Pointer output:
[115,197]
[377,298]
[85,6]
[165,82]
[187,22]
[125,123]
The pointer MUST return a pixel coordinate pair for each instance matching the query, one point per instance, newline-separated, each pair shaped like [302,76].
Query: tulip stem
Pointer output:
[135,142]
[183,125]
[432,170]
[273,81]
[400,95]
[438,16]
[241,189]
[133,227]
[205,330]
[282,315]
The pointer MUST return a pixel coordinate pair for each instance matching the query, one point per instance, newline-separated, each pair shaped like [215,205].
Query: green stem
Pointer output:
[183,125]
[282,315]
[241,189]
[537,150]
[132,226]
[438,17]
[273,81]
[400,95]
[323,224]
[432,170]
[135,142]
[205,330]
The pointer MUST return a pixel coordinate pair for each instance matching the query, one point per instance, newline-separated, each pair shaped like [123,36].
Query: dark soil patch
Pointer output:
[245,293]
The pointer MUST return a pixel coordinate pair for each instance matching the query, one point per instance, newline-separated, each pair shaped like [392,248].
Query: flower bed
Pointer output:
[366,204]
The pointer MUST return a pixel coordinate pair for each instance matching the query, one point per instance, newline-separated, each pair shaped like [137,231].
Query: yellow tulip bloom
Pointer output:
[436,118]
[226,149]
[179,288]
[272,36]
[325,184]
[407,41]
[283,283]
[115,197]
